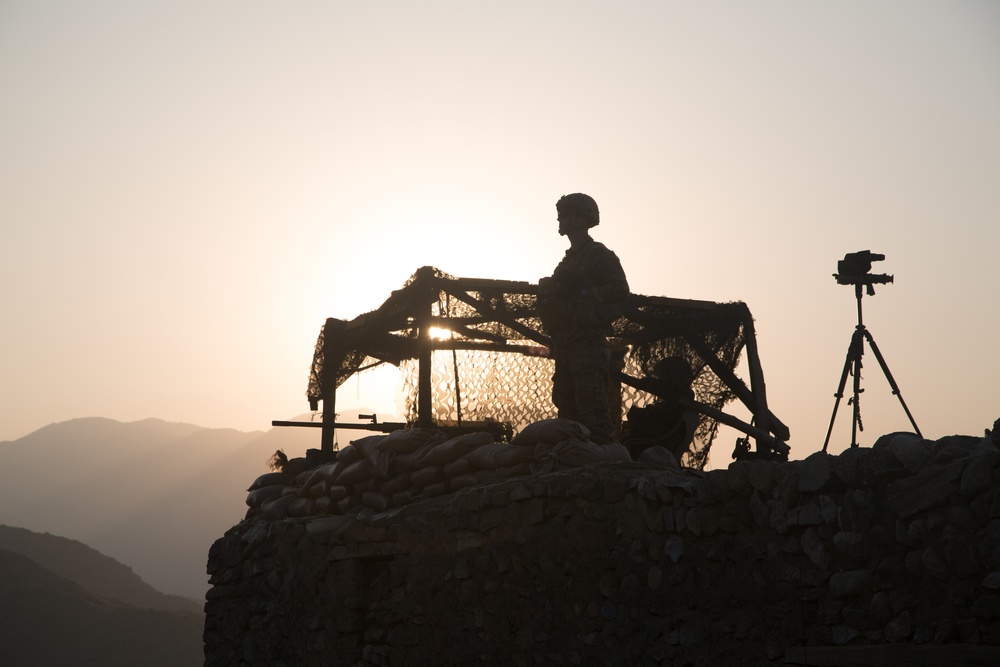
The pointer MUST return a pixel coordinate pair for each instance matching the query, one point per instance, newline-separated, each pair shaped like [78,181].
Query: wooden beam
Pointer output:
[757,386]
[513,324]
[484,284]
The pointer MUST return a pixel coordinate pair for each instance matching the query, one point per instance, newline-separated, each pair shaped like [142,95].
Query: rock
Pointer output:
[807,515]
[911,450]
[815,472]
[850,583]
[930,487]
[850,547]
[814,549]
[889,573]
[829,510]
[761,476]
[978,476]
[713,488]
[989,545]
[659,456]
[848,465]
[952,447]
[674,548]
[915,563]
[787,483]
[899,629]
[934,563]
[880,608]
[987,605]
[654,576]
[844,634]
[702,520]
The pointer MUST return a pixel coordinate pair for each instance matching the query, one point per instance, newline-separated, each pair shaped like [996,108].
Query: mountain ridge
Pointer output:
[51,620]
[152,494]
[100,575]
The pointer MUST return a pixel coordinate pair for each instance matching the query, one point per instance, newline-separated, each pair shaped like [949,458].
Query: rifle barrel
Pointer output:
[384,427]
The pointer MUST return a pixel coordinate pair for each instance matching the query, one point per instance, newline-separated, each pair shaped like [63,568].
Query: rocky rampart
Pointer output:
[629,563]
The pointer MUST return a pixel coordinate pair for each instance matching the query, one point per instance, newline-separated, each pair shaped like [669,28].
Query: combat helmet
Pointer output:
[581,204]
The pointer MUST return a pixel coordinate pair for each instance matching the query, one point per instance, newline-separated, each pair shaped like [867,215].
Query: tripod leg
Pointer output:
[851,350]
[892,381]
[856,424]
[859,349]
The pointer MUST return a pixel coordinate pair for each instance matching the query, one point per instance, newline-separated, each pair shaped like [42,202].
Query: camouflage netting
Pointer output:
[509,381]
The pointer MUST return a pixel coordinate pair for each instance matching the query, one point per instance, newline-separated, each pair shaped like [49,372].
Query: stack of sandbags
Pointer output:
[267,487]
[383,471]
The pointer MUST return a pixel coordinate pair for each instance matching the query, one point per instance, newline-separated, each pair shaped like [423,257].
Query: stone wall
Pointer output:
[629,563]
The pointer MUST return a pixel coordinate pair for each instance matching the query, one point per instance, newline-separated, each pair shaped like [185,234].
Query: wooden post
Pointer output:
[330,357]
[425,404]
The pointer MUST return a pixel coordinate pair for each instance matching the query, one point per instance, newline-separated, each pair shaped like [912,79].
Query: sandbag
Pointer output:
[396,483]
[374,439]
[379,502]
[380,460]
[322,505]
[349,454]
[367,484]
[436,489]
[329,471]
[486,476]
[302,478]
[457,447]
[403,498]
[295,466]
[354,472]
[276,508]
[512,456]
[338,493]
[424,476]
[347,503]
[551,430]
[328,524]
[299,507]
[462,481]
[270,479]
[487,456]
[459,466]
[410,440]
[321,488]
[519,470]
[257,497]
[413,460]
[572,453]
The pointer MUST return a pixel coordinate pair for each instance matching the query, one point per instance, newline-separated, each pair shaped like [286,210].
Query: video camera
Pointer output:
[855,267]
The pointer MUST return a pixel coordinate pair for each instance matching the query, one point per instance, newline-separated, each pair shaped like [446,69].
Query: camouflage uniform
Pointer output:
[578,305]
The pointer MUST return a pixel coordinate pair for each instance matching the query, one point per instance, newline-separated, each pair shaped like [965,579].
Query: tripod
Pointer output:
[853,365]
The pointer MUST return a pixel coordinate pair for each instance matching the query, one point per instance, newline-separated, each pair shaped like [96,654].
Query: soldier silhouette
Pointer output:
[578,304]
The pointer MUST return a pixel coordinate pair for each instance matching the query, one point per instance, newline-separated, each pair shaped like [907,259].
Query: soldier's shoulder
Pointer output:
[597,247]
[598,250]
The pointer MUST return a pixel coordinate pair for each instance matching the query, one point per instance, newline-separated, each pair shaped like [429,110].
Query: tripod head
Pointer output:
[855,269]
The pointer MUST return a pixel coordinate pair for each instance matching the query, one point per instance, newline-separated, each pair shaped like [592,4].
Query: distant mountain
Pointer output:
[98,574]
[47,621]
[151,494]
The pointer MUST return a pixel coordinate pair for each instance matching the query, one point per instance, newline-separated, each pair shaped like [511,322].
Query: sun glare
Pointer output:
[437,333]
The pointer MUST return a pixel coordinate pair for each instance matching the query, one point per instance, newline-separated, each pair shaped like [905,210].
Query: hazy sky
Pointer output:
[190,188]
